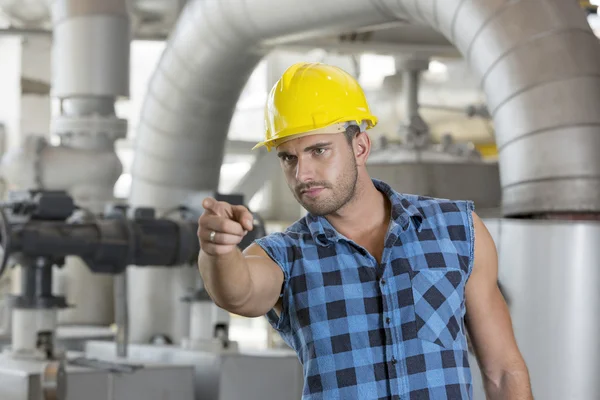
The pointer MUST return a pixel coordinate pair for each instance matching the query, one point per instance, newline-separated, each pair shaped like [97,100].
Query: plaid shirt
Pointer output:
[389,330]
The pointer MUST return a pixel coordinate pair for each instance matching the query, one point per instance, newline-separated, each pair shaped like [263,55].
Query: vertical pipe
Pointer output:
[410,80]
[121,314]
[43,278]
[29,281]
[24,330]
[201,321]
[90,71]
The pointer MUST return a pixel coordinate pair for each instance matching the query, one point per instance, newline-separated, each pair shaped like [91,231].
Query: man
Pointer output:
[372,288]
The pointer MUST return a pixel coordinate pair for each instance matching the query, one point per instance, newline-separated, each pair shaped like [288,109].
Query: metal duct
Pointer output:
[192,95]
[540,106]
[537,59]
[539,65]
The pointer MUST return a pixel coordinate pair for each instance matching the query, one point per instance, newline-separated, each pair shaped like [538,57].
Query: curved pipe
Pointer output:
[193,93]
[539,65]
[538,61]
[185,119]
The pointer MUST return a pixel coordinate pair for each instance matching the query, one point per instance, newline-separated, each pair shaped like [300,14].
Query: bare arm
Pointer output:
[503,369]
[246,284]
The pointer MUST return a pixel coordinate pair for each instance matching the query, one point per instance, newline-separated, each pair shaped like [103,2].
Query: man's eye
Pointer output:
[319,151]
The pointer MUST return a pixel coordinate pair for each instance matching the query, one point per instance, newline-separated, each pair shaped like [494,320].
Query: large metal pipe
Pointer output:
[186,117]
[545,110]
[540,106]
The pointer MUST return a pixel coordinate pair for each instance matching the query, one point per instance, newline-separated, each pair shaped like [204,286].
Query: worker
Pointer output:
[375,290]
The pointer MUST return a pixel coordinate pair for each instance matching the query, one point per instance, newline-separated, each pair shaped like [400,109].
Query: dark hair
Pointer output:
[351,132]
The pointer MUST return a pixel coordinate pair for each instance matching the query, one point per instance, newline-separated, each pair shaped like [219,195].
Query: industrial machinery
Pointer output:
[415,164]
[38,230]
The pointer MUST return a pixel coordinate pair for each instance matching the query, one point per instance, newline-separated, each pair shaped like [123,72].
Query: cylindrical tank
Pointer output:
[549,272]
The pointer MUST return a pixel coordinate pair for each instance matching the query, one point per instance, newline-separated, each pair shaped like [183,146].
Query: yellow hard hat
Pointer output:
[309,98]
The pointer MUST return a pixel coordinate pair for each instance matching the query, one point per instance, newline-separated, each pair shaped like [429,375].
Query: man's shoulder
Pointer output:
[427,206]
[287,245]
[431,206]
[294,234]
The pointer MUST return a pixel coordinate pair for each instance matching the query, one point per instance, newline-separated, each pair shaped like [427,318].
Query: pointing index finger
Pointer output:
[209,204]
[244,217]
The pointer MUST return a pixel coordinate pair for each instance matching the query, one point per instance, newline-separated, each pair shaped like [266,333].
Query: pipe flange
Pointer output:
[110,127]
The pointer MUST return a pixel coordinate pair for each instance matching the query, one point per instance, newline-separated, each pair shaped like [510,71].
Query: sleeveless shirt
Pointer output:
[388,330]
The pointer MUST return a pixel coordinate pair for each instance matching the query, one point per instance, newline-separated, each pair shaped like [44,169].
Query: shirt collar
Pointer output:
[403,213]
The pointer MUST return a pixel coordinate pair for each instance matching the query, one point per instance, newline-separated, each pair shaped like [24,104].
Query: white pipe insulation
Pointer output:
[192,95]
[185,119]
[538,62]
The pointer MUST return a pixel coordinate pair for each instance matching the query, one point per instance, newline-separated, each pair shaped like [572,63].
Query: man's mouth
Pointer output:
[313,191]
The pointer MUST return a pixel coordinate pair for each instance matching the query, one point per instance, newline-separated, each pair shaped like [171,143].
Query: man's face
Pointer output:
[320,170]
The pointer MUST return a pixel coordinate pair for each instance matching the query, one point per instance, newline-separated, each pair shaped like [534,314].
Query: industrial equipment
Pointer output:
[38,230]
[415,164]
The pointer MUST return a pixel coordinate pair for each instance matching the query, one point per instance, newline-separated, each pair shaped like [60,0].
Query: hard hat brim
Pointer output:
[337,127]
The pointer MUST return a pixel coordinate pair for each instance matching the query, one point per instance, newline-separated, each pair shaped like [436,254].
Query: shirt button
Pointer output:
[382,281]
[394,361]
[387,320]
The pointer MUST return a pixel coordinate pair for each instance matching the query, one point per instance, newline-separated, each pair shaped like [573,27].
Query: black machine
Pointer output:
[39,229]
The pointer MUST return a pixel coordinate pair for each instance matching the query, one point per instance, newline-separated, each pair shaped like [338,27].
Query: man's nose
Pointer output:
[304,170]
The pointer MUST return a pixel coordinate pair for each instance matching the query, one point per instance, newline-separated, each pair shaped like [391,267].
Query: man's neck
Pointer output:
[369,210]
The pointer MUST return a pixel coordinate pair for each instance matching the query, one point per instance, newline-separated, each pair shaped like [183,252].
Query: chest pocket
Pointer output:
[438,300]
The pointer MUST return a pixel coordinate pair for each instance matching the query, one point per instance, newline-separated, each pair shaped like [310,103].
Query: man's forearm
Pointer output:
[512,385]
[226,278]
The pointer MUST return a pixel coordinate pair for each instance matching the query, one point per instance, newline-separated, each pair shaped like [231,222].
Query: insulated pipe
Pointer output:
[213,49]
[91,48]
[539,65]
[538,62]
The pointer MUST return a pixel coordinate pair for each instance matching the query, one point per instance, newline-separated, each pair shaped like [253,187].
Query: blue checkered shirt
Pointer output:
[389,330]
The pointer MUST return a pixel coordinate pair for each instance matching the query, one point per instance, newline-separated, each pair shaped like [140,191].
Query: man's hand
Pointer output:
[222,226]
[246,283]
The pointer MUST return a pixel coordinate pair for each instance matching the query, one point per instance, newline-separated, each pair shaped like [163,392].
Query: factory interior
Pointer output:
[118,117]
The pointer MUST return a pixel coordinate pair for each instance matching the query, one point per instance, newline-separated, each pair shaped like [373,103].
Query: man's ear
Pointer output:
[361,145]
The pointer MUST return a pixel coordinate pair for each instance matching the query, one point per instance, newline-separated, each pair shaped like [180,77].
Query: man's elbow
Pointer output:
[250,309]
[509,381]
[242,307]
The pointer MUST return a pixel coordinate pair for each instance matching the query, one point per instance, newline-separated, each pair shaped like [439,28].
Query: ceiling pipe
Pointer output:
[540,107]
[186,115]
